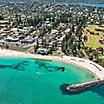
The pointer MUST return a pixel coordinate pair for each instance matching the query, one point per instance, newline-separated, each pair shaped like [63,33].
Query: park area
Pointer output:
[95,35]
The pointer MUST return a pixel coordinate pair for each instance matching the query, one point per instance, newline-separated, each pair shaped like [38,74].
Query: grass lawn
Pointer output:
[3,21]
[93,40]
[102,56]
[18,48]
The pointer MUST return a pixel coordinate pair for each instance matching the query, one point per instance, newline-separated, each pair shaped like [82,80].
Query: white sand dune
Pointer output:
[96,69]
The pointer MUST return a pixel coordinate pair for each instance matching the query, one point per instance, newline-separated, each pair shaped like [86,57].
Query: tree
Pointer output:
[85,38]
[95,53]
[100,49]
[91,56]
[1,18]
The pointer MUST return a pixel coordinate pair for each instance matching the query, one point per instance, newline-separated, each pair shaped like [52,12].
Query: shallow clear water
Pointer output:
[32,81]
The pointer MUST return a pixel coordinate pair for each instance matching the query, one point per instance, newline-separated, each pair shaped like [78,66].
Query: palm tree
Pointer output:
[36,46]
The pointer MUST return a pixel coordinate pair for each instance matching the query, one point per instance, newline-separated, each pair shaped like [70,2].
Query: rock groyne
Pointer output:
[75,88]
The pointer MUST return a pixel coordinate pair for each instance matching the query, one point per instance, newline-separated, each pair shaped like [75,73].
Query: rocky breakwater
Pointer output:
[76,88]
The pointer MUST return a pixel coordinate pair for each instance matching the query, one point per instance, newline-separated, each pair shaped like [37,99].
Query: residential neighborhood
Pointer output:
[60,29]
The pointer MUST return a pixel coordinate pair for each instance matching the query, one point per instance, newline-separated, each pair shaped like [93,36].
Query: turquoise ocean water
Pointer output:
[32,81]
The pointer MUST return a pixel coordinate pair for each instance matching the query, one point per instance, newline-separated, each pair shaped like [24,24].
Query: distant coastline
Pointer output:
[92,5]
[98,5]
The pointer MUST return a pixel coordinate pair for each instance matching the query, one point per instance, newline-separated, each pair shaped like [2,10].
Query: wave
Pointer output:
[39,73]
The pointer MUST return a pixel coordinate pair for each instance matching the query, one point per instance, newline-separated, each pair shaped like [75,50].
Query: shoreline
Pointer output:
[85,64]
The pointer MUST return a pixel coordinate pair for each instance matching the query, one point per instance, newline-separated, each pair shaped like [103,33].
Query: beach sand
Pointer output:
[94,68]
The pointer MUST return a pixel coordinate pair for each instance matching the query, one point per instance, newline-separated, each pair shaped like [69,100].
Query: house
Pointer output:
[43,51]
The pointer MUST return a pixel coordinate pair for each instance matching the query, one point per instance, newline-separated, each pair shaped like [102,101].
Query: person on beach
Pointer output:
[61,55]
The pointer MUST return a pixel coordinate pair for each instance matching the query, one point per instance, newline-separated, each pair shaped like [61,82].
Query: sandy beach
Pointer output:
[94,68]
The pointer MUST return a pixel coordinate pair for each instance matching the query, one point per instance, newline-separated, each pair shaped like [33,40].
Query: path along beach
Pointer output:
[95,69]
